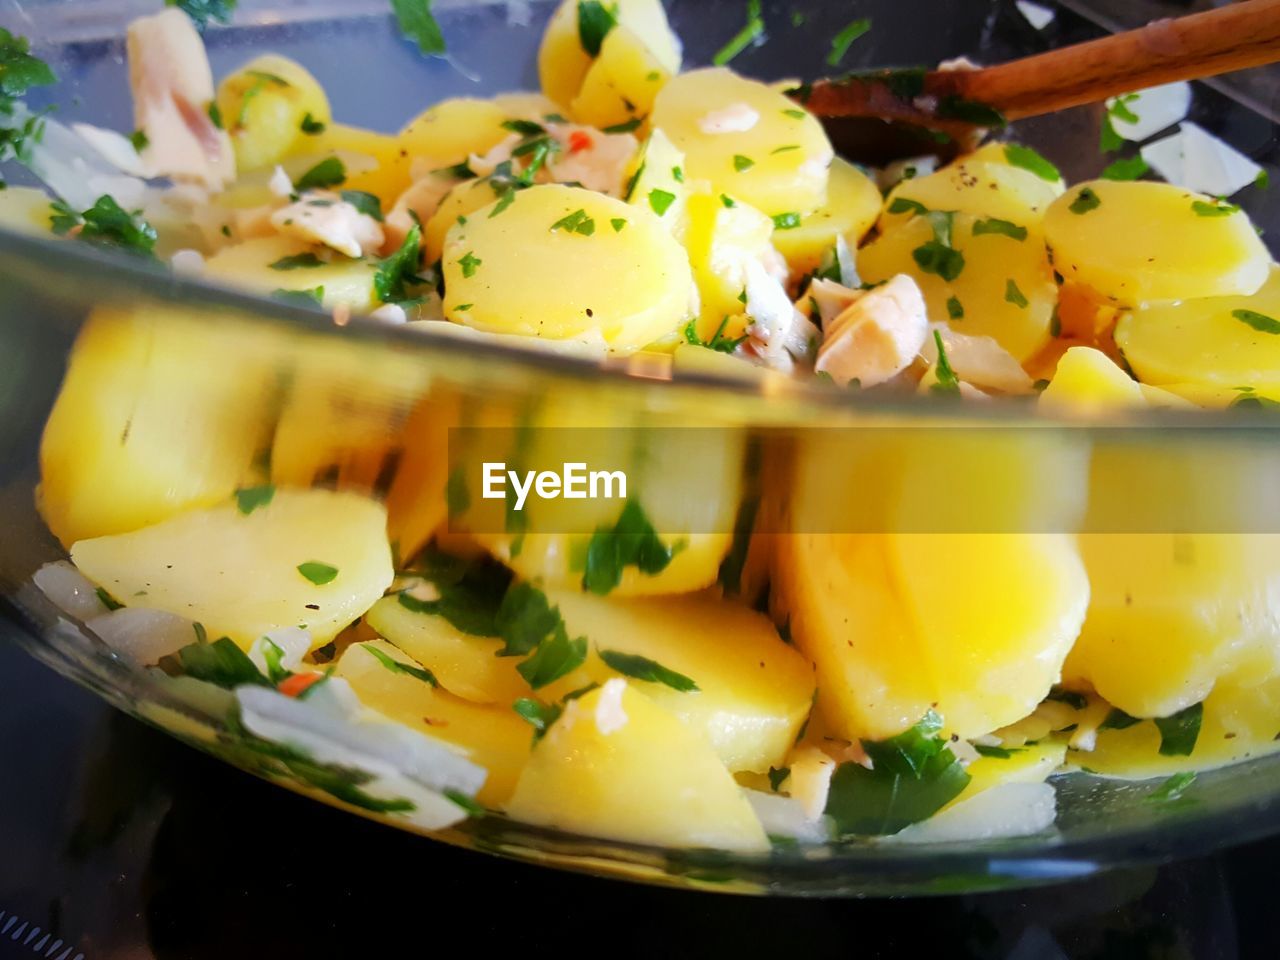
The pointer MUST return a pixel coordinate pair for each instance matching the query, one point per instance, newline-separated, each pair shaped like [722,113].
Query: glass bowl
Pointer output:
[378,375]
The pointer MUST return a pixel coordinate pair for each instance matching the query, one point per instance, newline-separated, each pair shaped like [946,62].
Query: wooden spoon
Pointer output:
[886,115]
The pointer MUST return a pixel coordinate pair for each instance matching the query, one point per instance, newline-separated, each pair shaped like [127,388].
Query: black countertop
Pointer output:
[127,844]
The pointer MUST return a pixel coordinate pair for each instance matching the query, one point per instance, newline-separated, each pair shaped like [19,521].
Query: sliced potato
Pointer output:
[309,558]
[1004,288]
[25,209]
[560,262]
[1015,155]
[449,131]
[1216,342]
[617,765]
[658,182]
[387,176]
[249,265]
[1033,763]
[462,201]
[496,739]
[721,238]
[983,190]
[1138,241]
[747,139]
[264,105]
[148,423]
[853,204]
[621,84]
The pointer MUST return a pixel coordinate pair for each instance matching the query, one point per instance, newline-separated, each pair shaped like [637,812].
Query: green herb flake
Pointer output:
[202,11]
[1258,321]
[395,666]
[1179,733]
[524,618]
[19,70]
[417,23]
[1015,296]
[947,381]
[139,140]
[1028,159]
[221,663]
[1117,719]
[400,270]
[317,572]
[249,499]
[795,114]
[786,221]
[538,714]
[907,205]
[650,671]
[1263,180]
[630,542]
[617,223]
[1086,200]
[753,32]
[329,172]
[469,262]
[939,259]
[107,600]
[718,342]
[996,753]
[311,126]
[215,114]
[577,222]
[660,201]
[468,804]
[841,42]
[777,777]
[628,126]
[727,201]
[1172,789]
[555,657]
[952,107]
[741,163]
[914,775]
[310,297]
[107,224]
[367,203]
[1002,227]
[1219,208]
[955,309]
[1126,168]
[526,128]
[595,20]
[297,261]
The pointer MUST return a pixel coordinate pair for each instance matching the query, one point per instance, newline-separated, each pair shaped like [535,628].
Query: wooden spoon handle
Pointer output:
[1234,37]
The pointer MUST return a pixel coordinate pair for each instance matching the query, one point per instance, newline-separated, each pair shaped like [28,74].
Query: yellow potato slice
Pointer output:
[853,204]
[1015,155]
[1033,763]
[387,176]
[1088,381]
[148,423]
[621,84]
[25,209]
[248,265]
[722,236]
[462,201]
[1215,342]
[621,767]
[264,105]
[769,152]
[449,131]
[561,262]
[658,182]
[496,739]
[984,190]
[1138,241]
[239,574]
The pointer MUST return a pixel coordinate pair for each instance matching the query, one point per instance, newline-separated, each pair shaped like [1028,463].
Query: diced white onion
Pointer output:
[1196,159]
[1156,109]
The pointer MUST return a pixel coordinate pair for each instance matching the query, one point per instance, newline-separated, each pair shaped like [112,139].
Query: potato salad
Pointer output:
[645,681]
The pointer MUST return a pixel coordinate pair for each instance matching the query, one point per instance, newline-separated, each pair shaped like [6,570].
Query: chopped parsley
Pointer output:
[677,175]
[1003,227]
[539,715]
[221,663]
[107,600]
[785,148]
[631,542]
[741,163]
[947,381]
[106,224]
[524,619]
[914,775]
[1118,109]
[1086,200]
[952,107]
[367,203]
[1172,789]
[1126,168]
[311,297]
[418,24]
[139,140]
[795,114]
[1013,295]
[317,572]
[1117,719]
[249,499]
[1219,208]
[1028,159]
[1259,321]
[661,200]
[629,192]
[215,113]
[617,223]
[786,221]
[397,272]
[595,20]
[469,262]
[955,309]
[526,128]
[728,201]
[459,171]
[1263,180]
[718,342]
[311,126]
[735,561]
[642,668]
[628,126]
[297,261]
[777,777]
[1076,701]
[938,256]
[1179,733]
[907,205]
[751,33]
[996,753]
[395,666]
[202,11]
[1055,322]
[555,657]
[329,172]
[841,42]
[577,222]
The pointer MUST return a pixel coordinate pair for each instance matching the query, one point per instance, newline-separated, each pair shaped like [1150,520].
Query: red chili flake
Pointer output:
[579,140]
[298,683]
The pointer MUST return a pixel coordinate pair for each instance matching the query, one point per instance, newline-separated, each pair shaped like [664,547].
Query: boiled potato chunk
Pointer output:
[467,666]
[496,739]
[1172,613]
[605,267]
[621,84]
[238,574]
[149,423]
[660,167]
[619,766]
[1033,763]
[984,190]
[975,626]
[248,265]
[452,129]
[747,139]
[25,209]
[1215,342]
[721,240]
[264,105]
[1008,154]
[563,64]
[853,203]
[1005,289]
[387,176]
[1137,241]
[754,692]
[462,201]
[1088,381]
